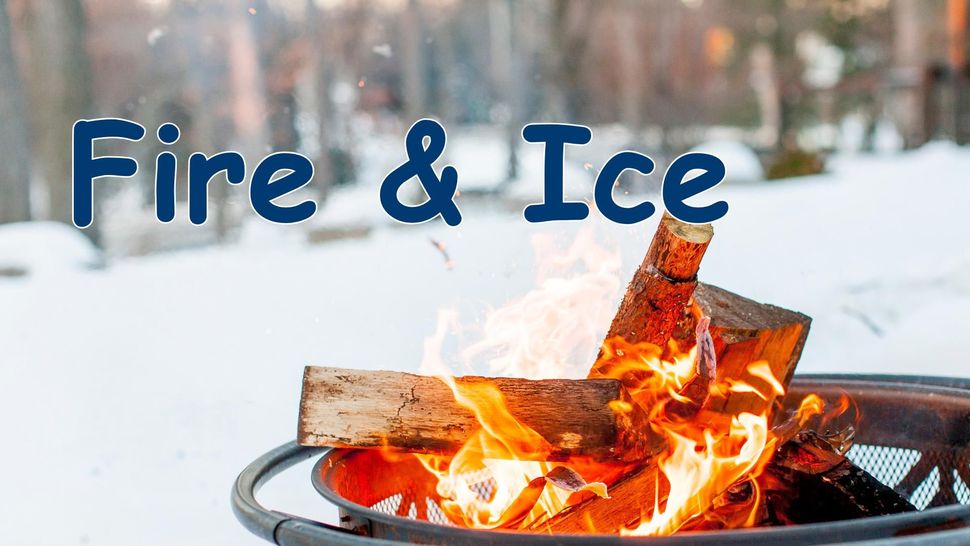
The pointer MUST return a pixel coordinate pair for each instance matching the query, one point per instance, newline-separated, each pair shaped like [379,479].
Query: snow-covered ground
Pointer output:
[134,394]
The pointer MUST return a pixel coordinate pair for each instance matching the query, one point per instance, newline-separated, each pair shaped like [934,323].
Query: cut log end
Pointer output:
[692,233]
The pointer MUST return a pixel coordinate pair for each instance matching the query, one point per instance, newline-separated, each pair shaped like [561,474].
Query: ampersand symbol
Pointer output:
[440,192]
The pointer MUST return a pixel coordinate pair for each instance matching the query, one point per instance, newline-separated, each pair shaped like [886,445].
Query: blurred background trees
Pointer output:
[14,138]
[329,77]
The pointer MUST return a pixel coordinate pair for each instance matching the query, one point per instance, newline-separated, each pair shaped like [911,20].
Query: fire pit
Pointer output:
[914,436]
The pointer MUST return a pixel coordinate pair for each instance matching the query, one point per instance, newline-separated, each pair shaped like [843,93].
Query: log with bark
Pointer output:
[664,300]
[375,409]
[659,296]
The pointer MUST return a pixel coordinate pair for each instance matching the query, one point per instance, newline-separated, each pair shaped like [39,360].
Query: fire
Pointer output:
[488,484]
[706,455]
[500,478]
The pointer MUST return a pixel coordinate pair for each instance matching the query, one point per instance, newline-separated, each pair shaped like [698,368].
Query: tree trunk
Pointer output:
[505,76]
[59,93]
[908,46]
[413,67]
[323,178]
[14,138]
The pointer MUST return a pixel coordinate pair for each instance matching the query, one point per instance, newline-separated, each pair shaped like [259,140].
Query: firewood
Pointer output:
[630,498]
[664,298]
[659,295]
[809,482]
[660,304]
[731,509]
[375,409]
[745,332]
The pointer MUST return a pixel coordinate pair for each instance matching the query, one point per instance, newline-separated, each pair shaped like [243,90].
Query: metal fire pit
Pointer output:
[914,436]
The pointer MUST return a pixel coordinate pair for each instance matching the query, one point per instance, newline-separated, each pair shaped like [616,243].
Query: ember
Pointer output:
[677,427]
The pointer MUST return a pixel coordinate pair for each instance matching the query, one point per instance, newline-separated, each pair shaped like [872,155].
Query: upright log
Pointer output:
[376,409]
[659,295]
[664,298]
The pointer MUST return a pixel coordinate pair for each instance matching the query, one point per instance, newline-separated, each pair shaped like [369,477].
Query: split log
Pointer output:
[631,498]
[375,409]
[744,332]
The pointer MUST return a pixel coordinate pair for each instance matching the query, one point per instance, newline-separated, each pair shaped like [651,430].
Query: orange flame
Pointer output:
[499,479]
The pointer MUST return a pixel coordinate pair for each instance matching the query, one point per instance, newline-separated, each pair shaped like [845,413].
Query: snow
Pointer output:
[740,162]
[136,393]
[44,248]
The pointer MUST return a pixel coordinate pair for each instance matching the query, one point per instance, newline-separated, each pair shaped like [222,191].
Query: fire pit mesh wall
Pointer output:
[928,479]
[896,467]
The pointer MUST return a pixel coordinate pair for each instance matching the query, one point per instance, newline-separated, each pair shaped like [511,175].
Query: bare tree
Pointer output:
[15,167]
[506,76]
[415,96]
[59,89]
[323,76]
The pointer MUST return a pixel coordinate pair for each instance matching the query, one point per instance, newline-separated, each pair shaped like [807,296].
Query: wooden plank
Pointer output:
[374,409]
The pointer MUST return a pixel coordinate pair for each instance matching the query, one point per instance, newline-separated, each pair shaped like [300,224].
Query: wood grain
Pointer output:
[372,409]
[745,331]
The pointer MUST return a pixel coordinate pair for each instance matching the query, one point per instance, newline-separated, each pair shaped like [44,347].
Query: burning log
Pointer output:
[746,332]
[630,498]
[809,482]
[374,409]
[658,305]
[755,344]
[743,332]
